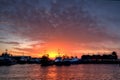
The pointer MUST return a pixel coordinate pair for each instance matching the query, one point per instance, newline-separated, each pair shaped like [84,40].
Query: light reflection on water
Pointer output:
[74,72]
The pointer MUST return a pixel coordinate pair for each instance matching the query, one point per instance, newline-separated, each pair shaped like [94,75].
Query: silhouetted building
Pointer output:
[112,56]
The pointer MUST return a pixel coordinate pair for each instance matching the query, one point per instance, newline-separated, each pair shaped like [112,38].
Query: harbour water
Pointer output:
[73,72]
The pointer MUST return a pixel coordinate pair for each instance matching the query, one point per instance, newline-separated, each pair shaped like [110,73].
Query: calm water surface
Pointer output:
[74,72]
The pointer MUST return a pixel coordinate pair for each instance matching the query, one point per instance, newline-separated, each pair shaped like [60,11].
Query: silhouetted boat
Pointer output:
[58,61]
[74,60]
[66,62]
[45,61]
[34,61]
[23,60]
[5,59]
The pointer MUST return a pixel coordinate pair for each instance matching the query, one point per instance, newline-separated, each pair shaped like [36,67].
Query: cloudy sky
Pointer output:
[72,27]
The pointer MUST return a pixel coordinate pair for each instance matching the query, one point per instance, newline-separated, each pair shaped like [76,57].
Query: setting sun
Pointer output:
[52,54]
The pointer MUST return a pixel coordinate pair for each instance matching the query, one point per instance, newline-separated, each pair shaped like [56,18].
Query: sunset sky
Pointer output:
[71,27]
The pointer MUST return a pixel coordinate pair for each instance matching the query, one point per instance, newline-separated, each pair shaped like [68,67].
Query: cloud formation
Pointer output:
[13,43]
[54,21]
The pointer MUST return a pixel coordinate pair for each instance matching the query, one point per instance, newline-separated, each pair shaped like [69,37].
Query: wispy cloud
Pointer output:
[13,43]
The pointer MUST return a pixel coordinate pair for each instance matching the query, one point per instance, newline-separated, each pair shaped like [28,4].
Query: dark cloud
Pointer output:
[61,18]
[24,49]
[27,51]
[65,20]
[2,38]
[13,43]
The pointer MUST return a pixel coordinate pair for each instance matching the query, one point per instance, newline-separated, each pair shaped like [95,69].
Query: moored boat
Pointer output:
[74,60]
[45,61]
[58,61]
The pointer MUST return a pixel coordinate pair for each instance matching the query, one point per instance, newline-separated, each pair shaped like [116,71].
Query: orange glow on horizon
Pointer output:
[52,54]
[56,48]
